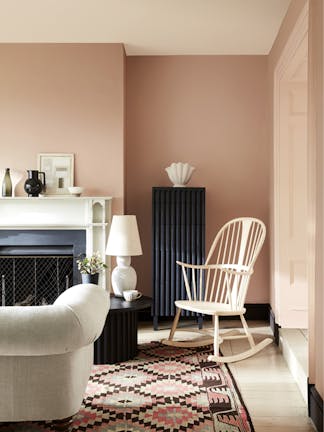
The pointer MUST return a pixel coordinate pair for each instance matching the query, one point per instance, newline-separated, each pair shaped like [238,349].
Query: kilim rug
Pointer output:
[164,389]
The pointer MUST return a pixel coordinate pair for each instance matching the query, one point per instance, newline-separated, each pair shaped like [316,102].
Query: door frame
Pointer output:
[283,66]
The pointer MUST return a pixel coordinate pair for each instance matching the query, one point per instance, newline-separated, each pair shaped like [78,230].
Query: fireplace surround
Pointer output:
[40,240]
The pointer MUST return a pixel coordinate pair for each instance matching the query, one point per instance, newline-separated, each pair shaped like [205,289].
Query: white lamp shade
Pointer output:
[124,238]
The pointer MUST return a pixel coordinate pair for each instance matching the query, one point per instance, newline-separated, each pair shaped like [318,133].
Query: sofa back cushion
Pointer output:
[75,319]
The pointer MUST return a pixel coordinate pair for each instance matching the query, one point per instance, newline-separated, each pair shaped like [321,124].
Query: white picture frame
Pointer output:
[59,172]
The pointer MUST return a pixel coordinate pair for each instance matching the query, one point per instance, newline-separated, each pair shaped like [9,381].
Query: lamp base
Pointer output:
[123,277]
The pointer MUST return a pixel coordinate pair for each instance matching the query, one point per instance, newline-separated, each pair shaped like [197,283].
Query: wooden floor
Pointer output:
[267,386]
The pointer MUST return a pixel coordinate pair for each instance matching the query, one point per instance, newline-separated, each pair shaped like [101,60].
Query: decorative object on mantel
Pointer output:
[179,173]
[34,185]
[90,267]
[16,177]
[75,190]
[59,169]
[7,184]
[123,242]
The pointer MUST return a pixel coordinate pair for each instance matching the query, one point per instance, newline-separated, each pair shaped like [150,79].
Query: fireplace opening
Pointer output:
[36,266]
[34,280]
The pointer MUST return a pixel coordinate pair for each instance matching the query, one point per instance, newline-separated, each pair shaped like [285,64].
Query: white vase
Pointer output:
[123,277]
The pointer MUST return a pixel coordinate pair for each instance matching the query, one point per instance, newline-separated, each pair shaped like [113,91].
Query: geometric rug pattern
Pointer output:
[164,389]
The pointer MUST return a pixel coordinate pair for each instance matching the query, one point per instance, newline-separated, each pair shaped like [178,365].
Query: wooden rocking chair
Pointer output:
[219,289]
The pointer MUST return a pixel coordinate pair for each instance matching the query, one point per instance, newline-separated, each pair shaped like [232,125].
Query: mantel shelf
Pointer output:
[55,226]
[55,197]
[44,226]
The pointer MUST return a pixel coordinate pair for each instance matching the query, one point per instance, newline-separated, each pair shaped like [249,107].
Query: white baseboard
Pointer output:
[294,348]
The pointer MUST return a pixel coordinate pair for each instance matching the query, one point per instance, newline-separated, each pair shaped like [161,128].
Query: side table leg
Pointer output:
[200,322]
[156,322]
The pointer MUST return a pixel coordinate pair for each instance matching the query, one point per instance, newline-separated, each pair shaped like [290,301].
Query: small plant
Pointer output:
[91,265]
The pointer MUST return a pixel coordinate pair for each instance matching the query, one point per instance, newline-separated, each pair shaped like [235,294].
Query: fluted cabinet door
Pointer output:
[178,235]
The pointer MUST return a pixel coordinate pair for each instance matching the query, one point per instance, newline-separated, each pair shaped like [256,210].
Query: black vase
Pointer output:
[90,278]
[33,185]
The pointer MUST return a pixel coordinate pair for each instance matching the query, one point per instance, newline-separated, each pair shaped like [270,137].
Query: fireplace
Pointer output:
[36,266]
[40,240]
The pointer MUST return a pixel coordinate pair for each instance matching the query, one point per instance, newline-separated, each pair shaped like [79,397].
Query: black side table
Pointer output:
[118,340]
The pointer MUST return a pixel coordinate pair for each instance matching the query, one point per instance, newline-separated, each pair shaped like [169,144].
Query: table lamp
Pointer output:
[123,242]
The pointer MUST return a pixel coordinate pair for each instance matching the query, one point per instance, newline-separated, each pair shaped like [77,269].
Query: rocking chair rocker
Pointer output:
[220,289]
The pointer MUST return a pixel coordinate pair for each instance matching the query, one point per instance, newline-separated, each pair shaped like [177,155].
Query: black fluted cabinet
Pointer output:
[178,216]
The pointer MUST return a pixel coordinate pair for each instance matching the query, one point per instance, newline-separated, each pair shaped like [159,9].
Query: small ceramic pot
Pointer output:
[90,278]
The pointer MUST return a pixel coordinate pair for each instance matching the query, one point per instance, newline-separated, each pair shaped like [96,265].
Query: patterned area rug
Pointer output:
[164,389]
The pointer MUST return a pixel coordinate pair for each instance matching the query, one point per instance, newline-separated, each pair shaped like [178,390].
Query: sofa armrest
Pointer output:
[90,304]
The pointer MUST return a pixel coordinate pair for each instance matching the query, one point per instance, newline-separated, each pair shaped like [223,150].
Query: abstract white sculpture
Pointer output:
[179,173]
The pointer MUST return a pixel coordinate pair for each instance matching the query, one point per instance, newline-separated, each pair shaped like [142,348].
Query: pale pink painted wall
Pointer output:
[210,111]
[65,98]
[316,137]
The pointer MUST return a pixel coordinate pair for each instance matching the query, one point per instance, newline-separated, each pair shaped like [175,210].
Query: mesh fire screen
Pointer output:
[34,280]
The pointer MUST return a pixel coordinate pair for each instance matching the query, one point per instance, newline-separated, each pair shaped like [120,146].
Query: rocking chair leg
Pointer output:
[175,324]
[216,335]
[247,331]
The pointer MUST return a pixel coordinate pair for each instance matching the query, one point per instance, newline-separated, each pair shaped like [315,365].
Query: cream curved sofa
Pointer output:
[46,353]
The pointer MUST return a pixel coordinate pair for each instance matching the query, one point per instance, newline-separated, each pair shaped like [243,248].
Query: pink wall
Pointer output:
[316,138]
[65,98]
[210,111]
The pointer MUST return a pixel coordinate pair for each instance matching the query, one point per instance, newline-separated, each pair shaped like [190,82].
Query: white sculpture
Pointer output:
[179,173]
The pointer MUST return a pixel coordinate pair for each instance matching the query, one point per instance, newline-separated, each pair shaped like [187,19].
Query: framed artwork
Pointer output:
[59,171]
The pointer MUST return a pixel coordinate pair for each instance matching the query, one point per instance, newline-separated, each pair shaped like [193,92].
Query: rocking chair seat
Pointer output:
[208,308]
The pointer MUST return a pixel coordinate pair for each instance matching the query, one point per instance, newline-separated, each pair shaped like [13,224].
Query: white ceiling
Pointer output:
[148,27]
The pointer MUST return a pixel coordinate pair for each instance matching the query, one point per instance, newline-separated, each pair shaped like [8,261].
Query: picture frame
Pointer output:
[59,172]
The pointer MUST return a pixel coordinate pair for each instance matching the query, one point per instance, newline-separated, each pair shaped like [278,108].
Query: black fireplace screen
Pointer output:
[34,280]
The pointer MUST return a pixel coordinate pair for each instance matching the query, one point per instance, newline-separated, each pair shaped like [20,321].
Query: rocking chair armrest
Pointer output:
[199,266]
[192,266]
[234,269]
[227,268]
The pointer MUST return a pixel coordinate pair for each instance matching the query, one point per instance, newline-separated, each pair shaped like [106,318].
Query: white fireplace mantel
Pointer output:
[92,214]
